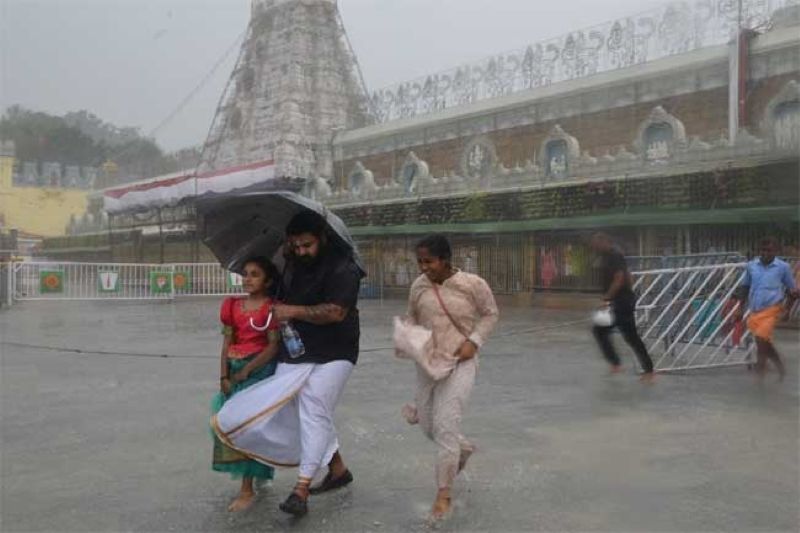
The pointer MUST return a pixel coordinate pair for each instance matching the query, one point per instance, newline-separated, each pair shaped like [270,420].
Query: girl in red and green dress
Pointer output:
[249,348]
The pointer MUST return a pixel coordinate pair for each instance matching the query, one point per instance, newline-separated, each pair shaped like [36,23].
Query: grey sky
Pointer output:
[132,62]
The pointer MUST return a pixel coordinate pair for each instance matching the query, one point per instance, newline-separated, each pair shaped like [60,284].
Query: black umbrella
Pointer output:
[236,226]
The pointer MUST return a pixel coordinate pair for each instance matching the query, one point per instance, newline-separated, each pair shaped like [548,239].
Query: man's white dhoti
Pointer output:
[287,420]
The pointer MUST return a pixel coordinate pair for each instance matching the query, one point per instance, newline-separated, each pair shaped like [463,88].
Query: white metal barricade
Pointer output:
[205,279]
[5,284]
[689,319]
[118,281]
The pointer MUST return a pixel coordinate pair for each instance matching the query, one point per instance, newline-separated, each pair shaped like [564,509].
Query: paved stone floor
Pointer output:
[110,442]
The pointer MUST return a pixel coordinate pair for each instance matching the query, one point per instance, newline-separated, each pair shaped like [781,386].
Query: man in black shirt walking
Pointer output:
[322,327]
[618,294]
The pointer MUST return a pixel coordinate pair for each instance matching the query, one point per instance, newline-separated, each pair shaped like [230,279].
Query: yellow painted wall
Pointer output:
[6,172]
[42,211]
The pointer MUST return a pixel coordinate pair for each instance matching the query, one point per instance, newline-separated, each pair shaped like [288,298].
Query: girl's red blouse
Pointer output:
[239,321]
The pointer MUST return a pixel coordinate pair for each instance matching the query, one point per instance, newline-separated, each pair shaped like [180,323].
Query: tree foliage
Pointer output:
[82,138]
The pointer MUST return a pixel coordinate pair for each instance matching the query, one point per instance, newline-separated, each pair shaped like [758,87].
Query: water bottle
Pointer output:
[291,339]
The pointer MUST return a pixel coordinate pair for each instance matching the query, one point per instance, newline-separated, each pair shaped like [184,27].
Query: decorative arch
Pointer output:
[558,153]
[781,120]
[659,136]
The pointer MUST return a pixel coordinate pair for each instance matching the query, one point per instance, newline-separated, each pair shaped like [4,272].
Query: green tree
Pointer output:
[41,137]
[82,138]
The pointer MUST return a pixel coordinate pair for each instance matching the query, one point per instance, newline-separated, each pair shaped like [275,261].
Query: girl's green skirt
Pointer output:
[228,460]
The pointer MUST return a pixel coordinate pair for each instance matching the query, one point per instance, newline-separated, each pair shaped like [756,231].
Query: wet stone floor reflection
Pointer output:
[119,440]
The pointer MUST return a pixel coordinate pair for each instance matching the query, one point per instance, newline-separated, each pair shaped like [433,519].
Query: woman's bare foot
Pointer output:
[441,506]
[242,502]
[409,412]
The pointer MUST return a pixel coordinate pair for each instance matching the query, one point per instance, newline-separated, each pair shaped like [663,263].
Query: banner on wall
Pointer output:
[160,282]
[182,281]
[108,280]
[51,281]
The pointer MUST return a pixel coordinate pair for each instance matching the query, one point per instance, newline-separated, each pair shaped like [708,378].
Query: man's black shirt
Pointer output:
[612,262]
[334,279]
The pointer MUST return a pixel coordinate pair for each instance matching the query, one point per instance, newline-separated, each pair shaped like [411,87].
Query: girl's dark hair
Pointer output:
[437,245]
[270,271]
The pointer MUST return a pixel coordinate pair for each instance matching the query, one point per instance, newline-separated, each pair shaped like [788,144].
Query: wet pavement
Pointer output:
[118,440]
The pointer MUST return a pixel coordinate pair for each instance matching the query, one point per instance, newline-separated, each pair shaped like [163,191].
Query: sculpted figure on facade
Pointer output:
[479,158]
[659,136]
[559,152]
[781,119]
[361,181]
[414,174]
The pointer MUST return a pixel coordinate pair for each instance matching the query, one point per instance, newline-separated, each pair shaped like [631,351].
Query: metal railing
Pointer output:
[42,280]
[205,279]
[668,30]
[511,263]
[689,318]
[655,262]
[117,281]
[513,266]
[5,284]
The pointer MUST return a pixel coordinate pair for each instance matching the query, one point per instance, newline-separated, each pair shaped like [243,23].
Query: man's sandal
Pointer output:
[294,505]
[330,483]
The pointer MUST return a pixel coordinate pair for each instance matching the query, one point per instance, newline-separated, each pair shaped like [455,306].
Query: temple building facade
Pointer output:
[674,131]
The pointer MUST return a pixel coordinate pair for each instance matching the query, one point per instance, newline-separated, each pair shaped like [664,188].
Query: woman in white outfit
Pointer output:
[460,311]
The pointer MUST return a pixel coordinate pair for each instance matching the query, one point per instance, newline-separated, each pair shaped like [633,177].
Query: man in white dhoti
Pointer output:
[287,420]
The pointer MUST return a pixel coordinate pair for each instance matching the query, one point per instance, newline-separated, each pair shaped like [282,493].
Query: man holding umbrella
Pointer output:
[287,420]
[322,330]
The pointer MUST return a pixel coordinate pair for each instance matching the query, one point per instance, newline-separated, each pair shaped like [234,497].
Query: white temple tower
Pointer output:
[295,84]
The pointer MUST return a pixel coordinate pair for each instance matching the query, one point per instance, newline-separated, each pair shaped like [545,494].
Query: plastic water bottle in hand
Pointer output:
[291,340]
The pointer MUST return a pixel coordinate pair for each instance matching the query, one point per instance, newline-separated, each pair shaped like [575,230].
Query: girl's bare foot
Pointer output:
[242,502]
[245,497]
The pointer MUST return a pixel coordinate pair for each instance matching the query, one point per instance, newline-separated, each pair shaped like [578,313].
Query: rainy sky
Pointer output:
[134,62]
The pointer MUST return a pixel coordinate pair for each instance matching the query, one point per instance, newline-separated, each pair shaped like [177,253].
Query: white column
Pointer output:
[733,88]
